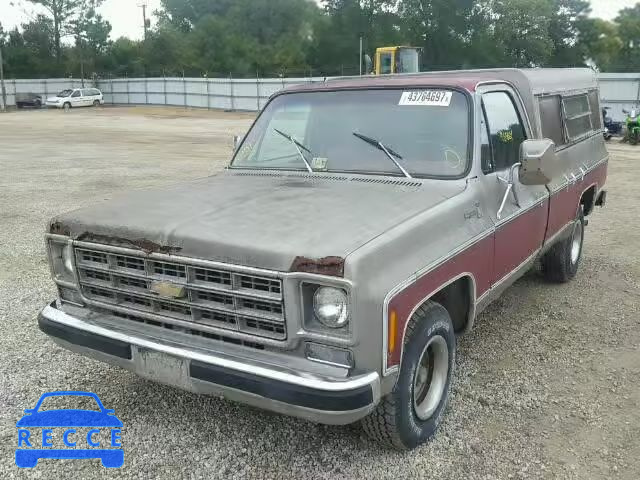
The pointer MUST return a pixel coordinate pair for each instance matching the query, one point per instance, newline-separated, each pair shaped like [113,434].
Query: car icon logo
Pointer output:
[101,439]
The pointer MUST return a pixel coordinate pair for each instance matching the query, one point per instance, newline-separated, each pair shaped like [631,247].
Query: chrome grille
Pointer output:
[212,298]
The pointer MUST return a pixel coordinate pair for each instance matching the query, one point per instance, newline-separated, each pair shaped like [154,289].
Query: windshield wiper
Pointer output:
[298,146]
[390,153]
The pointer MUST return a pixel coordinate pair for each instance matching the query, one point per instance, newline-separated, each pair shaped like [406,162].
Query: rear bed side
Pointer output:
[584,157]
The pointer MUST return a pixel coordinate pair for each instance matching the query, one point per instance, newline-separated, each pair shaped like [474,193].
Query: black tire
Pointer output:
[19,105]
[66,106]
[395,422]
[559,264]
[37,104]
[96,103]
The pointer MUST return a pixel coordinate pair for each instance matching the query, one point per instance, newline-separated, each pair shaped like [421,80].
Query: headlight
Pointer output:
[331,307]
[61,257]
[67,258]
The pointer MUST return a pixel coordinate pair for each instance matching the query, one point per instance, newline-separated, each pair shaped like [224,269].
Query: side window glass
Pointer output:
[551,119]
[578,116]
[506,132]
[76,94]
[486,156]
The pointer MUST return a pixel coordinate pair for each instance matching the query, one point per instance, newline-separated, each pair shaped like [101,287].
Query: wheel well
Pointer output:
[588,200]
[457,298]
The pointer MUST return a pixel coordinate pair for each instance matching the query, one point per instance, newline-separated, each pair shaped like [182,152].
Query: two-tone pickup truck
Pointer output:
[362,224]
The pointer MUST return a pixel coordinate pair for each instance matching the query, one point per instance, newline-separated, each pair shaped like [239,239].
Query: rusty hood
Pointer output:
[257,219]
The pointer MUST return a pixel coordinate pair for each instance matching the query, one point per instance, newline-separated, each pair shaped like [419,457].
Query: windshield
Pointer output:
[424,132]
[64,93]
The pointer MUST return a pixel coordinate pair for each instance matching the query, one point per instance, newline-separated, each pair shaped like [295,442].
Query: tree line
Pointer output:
[301,37]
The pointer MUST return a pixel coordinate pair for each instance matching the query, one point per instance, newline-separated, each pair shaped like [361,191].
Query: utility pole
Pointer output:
[145,22]
[4,92]
[360,57]
[81,61]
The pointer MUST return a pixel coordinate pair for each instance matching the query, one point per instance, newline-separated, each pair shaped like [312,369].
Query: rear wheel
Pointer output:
[66,106]
[96,103]
[37,104]
[412,412]
[560,264]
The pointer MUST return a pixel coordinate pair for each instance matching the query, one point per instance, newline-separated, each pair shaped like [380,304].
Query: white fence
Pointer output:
[618,91]
[45,87]
[219,93]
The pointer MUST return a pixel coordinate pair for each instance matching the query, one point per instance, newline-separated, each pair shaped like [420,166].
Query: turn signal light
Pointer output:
[393,324]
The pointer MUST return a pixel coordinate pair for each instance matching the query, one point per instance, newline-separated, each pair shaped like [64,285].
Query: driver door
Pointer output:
[519,212]
[76,98]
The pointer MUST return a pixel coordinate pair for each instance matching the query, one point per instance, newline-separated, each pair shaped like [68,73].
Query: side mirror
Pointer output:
[539,163]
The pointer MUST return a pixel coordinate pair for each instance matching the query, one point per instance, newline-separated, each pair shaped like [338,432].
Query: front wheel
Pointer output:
[66,106]
[410,415]
[96,103]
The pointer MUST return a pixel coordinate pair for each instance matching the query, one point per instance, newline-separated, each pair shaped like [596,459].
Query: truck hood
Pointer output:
[257,219]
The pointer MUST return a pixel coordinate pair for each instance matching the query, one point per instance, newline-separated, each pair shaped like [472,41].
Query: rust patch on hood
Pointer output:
[58,228]
[147,246]
[332,266]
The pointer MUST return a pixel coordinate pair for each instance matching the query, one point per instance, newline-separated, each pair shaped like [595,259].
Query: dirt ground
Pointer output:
[547,386]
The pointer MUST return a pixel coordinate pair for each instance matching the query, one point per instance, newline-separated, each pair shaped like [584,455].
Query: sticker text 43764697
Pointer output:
[426,98]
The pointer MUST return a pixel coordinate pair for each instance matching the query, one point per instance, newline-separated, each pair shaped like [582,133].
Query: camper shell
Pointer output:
[361,225]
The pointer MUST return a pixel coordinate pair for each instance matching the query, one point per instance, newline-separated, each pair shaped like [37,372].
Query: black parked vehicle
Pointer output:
[28,100]
[611,128]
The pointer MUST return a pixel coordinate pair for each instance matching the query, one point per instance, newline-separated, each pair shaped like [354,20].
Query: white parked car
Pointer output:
[77,97]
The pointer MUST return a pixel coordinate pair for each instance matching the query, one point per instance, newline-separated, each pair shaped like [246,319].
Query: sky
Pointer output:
[126,15]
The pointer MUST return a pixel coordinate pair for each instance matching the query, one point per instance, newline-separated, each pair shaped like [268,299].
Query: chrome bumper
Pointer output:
[310,395]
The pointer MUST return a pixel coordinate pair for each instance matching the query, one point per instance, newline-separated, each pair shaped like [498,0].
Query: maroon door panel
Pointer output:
[518,239]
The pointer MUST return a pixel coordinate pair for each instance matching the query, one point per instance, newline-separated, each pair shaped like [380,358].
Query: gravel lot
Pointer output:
[548,384]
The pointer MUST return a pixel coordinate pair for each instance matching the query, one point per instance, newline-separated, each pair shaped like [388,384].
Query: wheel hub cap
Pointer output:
[430,378]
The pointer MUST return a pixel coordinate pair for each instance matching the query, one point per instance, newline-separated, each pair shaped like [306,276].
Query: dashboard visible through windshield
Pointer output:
[406,132]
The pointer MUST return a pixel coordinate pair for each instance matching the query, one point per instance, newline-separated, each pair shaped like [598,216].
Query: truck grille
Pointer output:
[212,298]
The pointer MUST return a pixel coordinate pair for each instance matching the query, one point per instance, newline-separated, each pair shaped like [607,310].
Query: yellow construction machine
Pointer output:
[390,60]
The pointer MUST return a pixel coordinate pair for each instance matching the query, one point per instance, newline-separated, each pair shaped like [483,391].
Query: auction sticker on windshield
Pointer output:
[426,98]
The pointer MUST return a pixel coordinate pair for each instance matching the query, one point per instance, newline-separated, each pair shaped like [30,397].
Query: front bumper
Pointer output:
[277,387]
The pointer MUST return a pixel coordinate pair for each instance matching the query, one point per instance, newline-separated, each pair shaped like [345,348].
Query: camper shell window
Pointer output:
[551,119]
[577,114]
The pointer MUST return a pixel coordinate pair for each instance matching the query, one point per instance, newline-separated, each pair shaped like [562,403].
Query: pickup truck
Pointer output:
[362,224]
